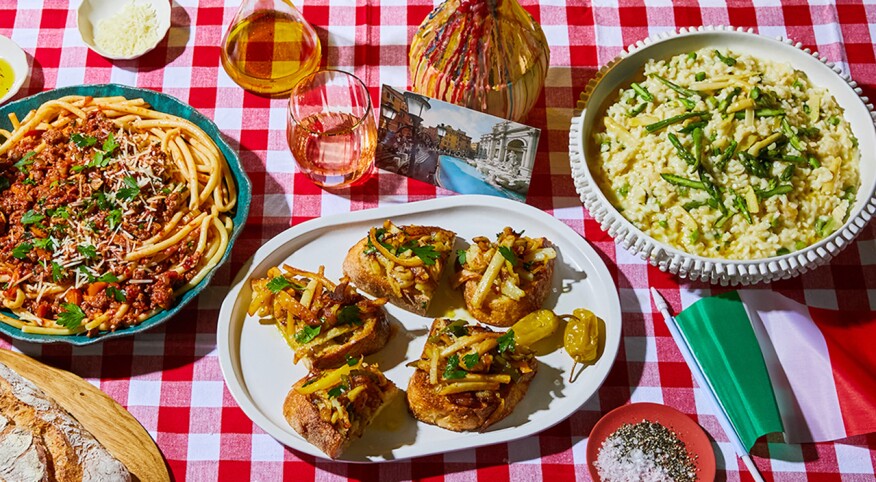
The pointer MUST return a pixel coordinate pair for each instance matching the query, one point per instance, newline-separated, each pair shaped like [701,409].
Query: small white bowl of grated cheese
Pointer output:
[123,30]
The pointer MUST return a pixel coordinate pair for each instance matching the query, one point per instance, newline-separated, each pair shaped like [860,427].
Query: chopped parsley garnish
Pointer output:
[71,317]
[351,361]
[130,191]
[56,272]
[460,256]
[87,250]
[350,315]
[337,391]
[85,272]
[31,217]
[452,371]
[506,342]
[508,254]
[471,360]
[30,182]
[102,201]
[307,334]
[108,278]
[426,253]
[117,294]
[280,283]
[110,144]
[21,250]
[457,327]
[114,218]
[83,141]
[25,161]
[44,243]
[61,212]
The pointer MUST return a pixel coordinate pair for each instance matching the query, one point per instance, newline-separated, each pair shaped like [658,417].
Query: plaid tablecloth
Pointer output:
[169,378]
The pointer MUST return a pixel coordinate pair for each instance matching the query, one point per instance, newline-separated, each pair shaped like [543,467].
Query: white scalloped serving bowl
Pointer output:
[602,89]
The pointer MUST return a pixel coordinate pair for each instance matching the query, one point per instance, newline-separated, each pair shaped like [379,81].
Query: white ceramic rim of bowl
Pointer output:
[715,270]
[12,53]
[87,16]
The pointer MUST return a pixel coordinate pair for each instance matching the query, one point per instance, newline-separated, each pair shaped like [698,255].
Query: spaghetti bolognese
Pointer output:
[109,210]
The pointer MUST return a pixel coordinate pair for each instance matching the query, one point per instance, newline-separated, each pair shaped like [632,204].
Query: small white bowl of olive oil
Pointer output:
[13,68]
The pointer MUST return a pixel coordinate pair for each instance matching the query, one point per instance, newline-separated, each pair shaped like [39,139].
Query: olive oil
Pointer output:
[269,51]
[7,77]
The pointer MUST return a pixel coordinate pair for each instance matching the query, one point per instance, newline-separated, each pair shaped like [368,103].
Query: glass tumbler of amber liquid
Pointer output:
[269,47]
[331,129]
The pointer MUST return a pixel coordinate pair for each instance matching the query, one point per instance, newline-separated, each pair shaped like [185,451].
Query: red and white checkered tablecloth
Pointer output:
[169,378]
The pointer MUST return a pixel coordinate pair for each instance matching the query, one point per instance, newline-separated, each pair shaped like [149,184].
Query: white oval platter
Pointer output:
[257,363]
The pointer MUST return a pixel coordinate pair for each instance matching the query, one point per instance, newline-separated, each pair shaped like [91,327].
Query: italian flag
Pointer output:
[776,365]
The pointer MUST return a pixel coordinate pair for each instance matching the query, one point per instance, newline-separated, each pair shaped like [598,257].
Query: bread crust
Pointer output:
[70,451]
[356,267]
[304,417]
[467,411]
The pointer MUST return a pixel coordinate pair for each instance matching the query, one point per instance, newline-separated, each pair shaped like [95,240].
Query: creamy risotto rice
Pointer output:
[729,156]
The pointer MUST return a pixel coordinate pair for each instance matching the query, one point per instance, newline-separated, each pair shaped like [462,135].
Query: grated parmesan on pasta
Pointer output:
[130,31]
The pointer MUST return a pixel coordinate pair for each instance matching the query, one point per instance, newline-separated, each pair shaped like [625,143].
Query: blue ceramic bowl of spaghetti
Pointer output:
[165,104]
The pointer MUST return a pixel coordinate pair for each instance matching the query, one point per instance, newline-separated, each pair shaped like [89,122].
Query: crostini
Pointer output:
[332,408]
[401,263]
[468,377]
[505,280]
[323,322]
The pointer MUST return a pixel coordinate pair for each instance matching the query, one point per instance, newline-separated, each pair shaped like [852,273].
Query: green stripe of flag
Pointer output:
[720,336]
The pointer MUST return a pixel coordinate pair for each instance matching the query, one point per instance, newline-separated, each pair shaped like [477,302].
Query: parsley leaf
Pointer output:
[31,217]
[307,334]
[87,250]
[61,212]
[83,141]
[56,272]
[451,370]
[471,359]
[44,243]
[426,253]
[71,317]
[457,327]
[351,362]
[279,284]
[337,391]
[85,272]
[460,256]
[131,190]
[350,315]
[25,161]
[506,342]
[117,294]
[110,144]
[114,218]
[108,278]
[509,255]
[21,250]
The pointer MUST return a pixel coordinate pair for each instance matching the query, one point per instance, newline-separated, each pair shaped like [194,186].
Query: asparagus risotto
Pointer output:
[729,156]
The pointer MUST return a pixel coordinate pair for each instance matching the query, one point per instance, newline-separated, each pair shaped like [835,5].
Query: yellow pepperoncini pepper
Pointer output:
[581,338]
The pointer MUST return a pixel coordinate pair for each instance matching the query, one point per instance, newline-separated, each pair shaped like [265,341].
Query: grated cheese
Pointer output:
[130,31]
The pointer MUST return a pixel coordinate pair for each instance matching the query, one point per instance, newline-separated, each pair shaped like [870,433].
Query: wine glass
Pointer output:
[331,130]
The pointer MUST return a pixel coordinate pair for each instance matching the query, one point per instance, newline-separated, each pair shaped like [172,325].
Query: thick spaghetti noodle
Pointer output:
[108,211]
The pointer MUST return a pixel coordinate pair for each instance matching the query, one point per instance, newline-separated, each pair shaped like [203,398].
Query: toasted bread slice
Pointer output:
[468,377]
[401,263]
[506,280]
[323,322]
[332,408]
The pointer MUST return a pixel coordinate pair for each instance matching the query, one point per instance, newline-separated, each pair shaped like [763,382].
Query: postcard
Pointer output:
[453,147]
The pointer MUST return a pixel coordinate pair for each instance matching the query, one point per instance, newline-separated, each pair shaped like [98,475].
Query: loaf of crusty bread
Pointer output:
[39,440]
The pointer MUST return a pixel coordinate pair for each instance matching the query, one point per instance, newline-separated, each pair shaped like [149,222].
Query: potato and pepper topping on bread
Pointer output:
[505,280]
[332,408]
[323,322]
[468,377]
[401,263]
